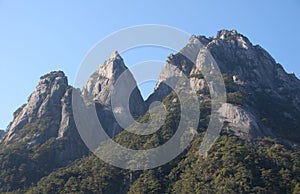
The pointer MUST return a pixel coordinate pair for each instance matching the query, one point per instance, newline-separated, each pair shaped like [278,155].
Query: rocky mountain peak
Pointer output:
[53,75]
[251,64]
[100,88]
[234,38]
[114,55]
[44,102]
[250,67]
[223,34]
[100,84]
[113,67]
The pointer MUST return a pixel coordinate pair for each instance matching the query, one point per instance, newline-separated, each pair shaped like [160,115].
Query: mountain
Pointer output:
[42,136]
[252,79]
[257,151]
[1,133]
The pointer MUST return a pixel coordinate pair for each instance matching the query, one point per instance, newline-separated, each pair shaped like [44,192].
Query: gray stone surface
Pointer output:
[1,133]
[252,69]
[241,122]
[45,101]
[100,87]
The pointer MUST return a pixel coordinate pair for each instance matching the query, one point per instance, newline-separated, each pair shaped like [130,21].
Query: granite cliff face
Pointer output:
[47,119]
[100,86]
[241,122]
[52,100]
[43,130]
[253,74]
[99,89]
[44,102]
[267,88]
[251,64]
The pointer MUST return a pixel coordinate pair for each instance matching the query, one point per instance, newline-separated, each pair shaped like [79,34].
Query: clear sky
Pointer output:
[37,37]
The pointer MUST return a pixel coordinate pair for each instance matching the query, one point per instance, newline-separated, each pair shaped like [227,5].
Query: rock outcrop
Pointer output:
[100,86]
[99,89]
[241,122]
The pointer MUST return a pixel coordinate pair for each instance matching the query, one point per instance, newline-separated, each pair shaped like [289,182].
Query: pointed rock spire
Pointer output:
[100,88]
[115,55]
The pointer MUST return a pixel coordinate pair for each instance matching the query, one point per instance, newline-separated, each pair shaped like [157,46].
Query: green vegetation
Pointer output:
[199,76]
[235,98]
[89,175]
[275,113]
[231,166]
[23,164]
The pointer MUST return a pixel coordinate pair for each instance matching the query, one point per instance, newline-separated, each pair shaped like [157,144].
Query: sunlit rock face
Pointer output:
[44,102]
[99,90]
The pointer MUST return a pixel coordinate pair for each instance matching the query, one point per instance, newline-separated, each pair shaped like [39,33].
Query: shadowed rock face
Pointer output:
[100,86]
[271,93]
[1,133]
[251,64]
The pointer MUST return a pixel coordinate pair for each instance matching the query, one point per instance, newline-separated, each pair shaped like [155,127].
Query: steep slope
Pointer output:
[99,89]
[42,136]
[268,90]
[48,114]
[44,102]
[253,80]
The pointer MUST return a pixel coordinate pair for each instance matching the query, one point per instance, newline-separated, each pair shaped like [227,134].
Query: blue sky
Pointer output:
[37,37]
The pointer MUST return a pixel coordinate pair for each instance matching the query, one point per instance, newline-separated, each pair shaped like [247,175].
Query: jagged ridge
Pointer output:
[250,72]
